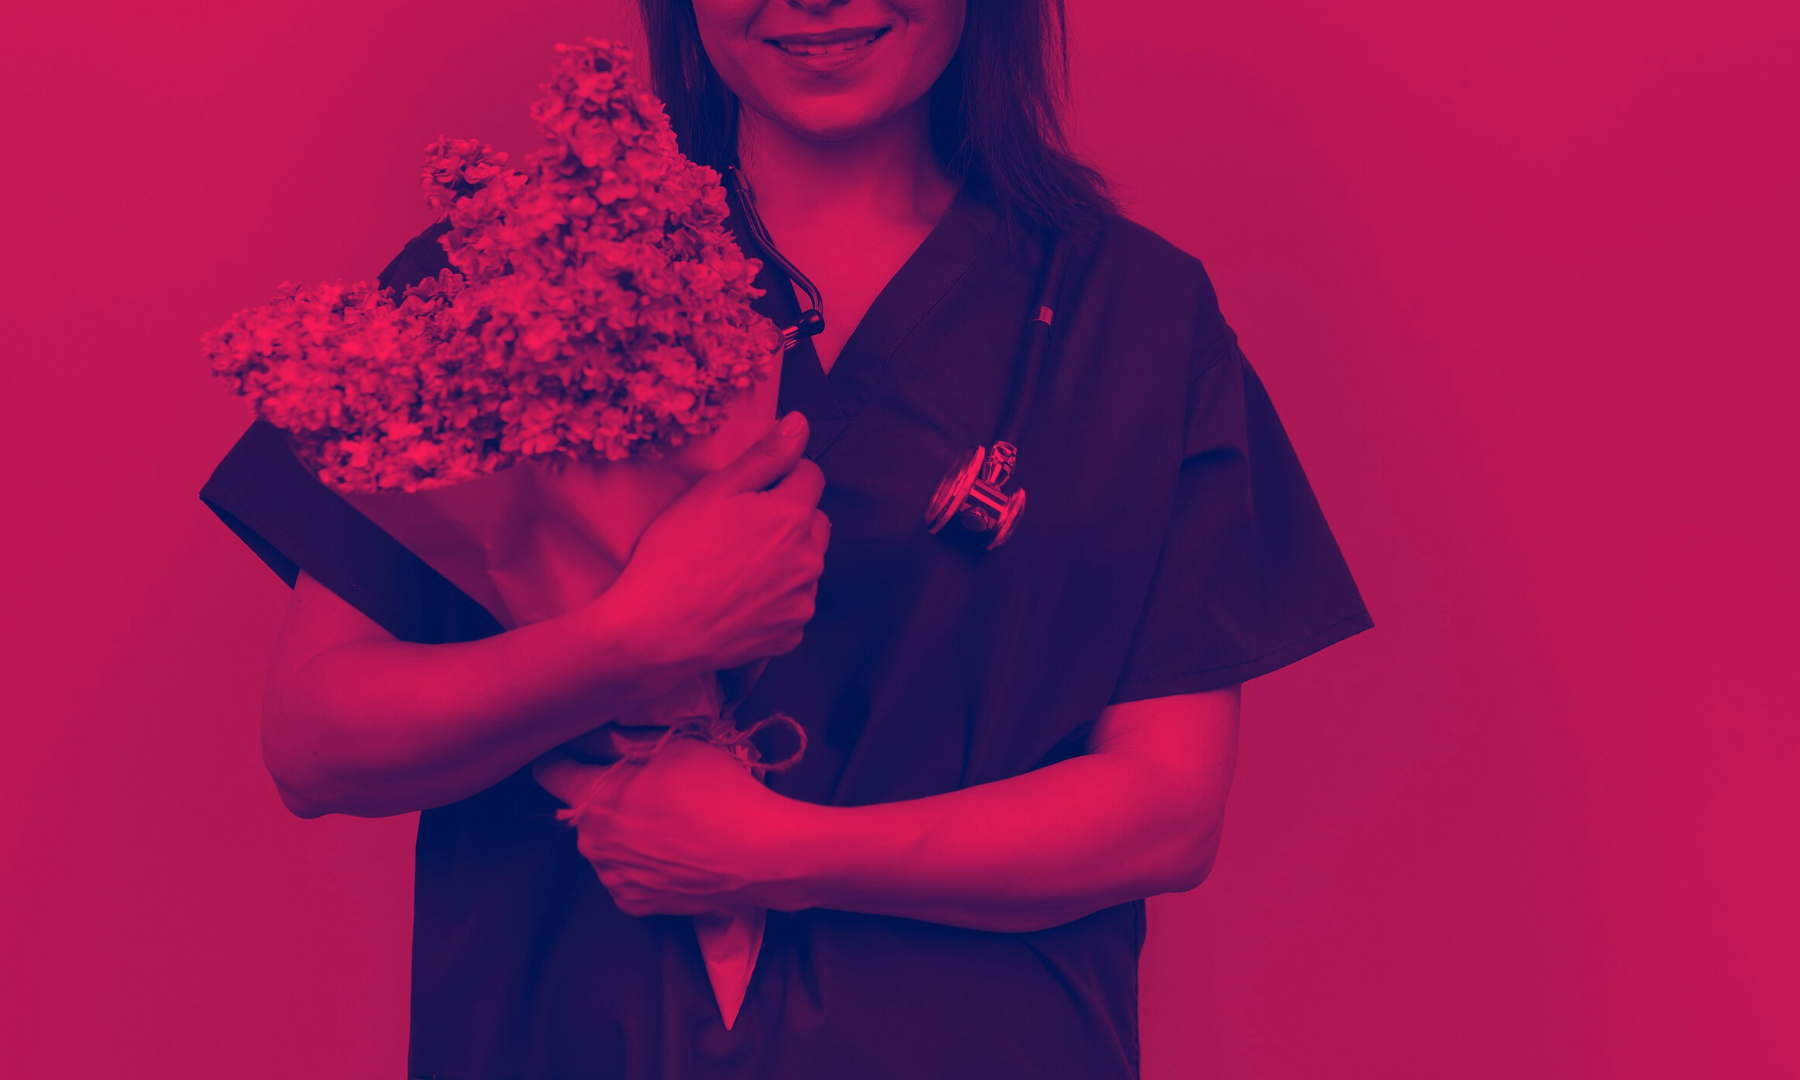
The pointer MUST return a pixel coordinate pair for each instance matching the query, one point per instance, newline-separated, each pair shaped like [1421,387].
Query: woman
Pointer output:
[1009,749]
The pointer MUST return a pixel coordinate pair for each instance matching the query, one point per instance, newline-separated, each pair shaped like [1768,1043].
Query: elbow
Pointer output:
[321,762]
[304,779]
[312,794]
[304,791]
[1194,874]
[297,802]
[312,784]
[290,753]
[314,791]
[1194,862]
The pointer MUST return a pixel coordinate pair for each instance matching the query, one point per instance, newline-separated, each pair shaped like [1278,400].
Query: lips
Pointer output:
[828,42]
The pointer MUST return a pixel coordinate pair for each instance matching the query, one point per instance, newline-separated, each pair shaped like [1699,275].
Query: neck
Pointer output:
[886,176]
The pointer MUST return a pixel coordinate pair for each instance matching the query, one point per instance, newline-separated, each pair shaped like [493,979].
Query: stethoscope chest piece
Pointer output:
[975,490]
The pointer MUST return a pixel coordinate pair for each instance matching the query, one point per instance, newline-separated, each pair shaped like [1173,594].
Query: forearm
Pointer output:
[378,727]
[1021,854]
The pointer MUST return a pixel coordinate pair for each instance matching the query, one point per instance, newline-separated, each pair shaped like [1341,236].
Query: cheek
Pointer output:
[721,15]
[725,33]
[938,28]
[941,19]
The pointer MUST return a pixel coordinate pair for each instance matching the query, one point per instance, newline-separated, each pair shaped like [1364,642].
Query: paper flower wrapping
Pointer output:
[518,421]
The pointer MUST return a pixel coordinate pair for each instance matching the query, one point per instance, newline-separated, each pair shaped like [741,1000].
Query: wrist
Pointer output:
[825,857]
[793,858]
[621,643]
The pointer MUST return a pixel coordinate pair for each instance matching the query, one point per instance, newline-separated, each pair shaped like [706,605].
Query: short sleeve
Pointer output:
[422,257]
[292,521]
[1249,577]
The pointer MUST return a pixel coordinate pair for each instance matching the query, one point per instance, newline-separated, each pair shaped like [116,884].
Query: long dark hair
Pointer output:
[996,111]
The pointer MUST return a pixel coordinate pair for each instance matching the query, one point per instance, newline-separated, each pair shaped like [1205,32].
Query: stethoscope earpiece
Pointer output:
[812,320]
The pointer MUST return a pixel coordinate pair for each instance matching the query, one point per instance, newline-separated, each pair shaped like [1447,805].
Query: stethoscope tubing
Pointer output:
[1028,372]
[812,320]
[979,487]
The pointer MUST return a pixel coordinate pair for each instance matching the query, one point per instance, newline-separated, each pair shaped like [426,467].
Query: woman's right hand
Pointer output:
[728,572]
[357,722]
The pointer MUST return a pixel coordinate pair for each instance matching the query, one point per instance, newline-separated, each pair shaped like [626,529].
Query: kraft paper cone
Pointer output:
[539,540]
[730,944]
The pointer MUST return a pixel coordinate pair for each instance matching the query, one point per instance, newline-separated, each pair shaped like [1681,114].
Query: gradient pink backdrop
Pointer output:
[1520,277]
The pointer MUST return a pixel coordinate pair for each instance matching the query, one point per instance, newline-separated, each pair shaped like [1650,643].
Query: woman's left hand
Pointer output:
[689,832]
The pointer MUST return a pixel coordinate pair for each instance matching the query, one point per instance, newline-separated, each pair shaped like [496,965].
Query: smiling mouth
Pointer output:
[828,43]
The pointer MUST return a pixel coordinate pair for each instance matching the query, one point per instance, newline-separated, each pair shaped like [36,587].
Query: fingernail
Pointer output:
[792,423]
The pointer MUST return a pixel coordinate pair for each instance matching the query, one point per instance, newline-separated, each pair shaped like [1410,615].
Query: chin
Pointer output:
[832,119]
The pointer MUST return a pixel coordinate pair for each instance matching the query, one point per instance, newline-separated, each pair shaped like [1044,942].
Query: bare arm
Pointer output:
[357,722]
[1139,814]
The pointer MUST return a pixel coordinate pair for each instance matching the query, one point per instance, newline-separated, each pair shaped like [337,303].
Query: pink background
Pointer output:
[1520,277]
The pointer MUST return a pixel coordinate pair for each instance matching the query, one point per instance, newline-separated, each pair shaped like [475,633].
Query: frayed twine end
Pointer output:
[719,731]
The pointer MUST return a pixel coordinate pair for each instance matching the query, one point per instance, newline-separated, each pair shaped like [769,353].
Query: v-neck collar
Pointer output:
[831,401]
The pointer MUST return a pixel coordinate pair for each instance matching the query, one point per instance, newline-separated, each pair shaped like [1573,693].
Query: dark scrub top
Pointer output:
[1171,544]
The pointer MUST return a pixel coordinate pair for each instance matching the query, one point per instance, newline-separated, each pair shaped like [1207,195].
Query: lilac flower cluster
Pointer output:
[595,307]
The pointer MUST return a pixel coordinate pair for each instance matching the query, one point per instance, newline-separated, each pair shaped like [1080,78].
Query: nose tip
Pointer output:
[816,7]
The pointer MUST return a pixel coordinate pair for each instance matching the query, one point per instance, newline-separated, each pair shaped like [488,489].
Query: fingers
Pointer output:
[564,777]
[803,484]
[820,534]
[768,460]
[641,904]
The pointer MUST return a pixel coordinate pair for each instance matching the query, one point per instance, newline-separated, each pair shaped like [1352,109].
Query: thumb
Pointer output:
[562,776]
[768,459]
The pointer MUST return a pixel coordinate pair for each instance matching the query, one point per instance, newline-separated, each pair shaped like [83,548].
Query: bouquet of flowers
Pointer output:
[518,420]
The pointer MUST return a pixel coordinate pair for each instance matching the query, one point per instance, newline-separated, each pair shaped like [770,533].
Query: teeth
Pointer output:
[799,49]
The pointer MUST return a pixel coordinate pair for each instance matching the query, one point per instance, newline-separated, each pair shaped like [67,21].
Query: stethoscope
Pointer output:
[975,491]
